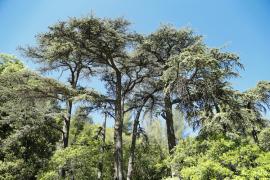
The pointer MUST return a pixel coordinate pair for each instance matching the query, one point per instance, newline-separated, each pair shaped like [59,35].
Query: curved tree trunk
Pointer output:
[133,144]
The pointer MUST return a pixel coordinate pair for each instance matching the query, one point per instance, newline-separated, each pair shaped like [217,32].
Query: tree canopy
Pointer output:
[175,112]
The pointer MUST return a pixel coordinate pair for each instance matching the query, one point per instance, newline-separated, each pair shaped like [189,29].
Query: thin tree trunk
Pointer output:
[103,133]
[118,128]
[255,136]
[66,125]
[133,144]
[65,134]
[67,119]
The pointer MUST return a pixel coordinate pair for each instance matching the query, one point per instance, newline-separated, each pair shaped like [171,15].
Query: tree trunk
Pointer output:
[169,122]
[255,136]
[118,128]
[170,128]
[102,150]
[133,144]
[66,124]
[65,134]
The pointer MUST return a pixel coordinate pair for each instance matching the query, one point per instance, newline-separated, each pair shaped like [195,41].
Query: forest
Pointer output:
[175,113]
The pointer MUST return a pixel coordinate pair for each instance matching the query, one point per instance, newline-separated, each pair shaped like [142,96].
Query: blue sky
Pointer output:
[242,26]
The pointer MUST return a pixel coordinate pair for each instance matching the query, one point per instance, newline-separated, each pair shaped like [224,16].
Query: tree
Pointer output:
[199,78]
[170,74]
[159,47]
[139,104]
[58,49]
[106,42]
[139,95]
[26,138]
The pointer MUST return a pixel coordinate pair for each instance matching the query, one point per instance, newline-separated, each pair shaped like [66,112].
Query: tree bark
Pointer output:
[102,150]
[133,144]
[170,128]
[69,104]
[169,122]
[66,125]
[67,119]
[254,135]
[118,128]
[65,134]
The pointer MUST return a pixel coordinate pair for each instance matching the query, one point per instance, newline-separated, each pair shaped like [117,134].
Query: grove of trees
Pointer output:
[175,113]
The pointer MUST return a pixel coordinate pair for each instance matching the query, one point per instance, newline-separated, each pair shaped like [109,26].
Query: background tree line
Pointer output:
[157,86]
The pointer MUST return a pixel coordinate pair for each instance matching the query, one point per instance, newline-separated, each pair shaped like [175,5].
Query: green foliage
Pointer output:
[149,162]
[81,158]
[127,123]
[79,120]
[9,64]
[27,141]
[264,139]
[179,124]
[155,132]
[220,158]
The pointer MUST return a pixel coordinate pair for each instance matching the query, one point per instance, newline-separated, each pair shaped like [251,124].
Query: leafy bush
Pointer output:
[80,159]
[220,158]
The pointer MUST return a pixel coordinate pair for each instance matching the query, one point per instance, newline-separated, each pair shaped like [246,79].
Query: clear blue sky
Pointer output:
[242,25]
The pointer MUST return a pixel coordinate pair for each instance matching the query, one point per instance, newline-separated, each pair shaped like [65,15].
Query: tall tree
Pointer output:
[138,101]
[159,47]
[58,49]
[107,43]
[199,76]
